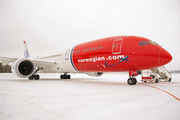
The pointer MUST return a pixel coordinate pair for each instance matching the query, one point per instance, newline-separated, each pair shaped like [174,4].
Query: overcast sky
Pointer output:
[52,24]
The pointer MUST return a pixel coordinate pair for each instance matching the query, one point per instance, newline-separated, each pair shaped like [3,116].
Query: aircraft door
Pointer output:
[116,46]
[67,54]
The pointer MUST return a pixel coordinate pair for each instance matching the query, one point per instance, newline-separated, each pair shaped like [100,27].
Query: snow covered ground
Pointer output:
[87,98]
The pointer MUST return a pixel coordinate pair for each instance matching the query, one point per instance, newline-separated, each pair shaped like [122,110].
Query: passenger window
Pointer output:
[143,43]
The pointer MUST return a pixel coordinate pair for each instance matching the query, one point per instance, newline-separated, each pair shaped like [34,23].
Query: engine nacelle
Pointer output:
[23,67]
[94,74]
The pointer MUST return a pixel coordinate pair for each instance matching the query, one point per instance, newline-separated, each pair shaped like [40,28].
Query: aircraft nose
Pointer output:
[164,57]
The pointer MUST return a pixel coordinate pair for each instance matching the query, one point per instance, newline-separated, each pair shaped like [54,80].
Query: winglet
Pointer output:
[26,52]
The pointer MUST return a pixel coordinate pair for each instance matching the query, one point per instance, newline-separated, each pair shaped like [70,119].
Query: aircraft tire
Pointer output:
[65,77]
[62,76]
[68,76]
[169,80]
[132,81]
[36,77]
[31,77]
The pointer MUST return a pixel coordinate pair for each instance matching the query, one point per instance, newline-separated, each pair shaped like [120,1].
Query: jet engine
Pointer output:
[23,67]
[94,74]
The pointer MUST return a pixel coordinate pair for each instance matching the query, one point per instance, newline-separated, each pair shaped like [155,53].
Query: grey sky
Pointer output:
[48,24]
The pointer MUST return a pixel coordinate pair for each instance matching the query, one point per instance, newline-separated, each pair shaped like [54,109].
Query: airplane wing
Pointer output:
[44,64]
[7,60]
[38,63]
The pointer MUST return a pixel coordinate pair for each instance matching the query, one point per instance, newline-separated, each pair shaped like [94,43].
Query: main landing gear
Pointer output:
[35,77]
[65,76]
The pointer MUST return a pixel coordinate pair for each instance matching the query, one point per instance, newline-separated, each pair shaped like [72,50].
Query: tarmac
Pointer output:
[88,98]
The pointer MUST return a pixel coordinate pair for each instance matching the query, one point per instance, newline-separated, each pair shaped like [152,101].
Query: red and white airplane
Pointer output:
[112,54]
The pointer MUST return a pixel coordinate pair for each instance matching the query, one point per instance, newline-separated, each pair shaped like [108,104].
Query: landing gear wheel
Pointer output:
[62,76]
[69,77]
[36,77]
[132,81]
[65,77]
[31,77]
[169,80]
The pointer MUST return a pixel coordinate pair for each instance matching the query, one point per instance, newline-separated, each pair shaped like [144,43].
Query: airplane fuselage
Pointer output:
[113,54]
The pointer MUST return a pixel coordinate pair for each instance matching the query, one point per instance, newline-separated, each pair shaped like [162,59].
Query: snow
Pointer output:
[87,98]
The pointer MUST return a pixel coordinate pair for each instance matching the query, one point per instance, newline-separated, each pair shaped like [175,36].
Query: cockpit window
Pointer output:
[152,43]
[143,43]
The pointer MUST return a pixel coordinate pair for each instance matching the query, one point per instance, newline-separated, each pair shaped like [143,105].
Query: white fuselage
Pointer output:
[61,58]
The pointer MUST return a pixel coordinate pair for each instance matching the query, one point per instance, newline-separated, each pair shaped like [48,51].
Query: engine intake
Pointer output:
[23,67]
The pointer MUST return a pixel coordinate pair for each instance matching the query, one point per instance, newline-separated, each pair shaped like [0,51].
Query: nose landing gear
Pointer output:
[133,73]
[132,81]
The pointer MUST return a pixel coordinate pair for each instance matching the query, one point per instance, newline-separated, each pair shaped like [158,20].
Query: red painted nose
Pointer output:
[164,57]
